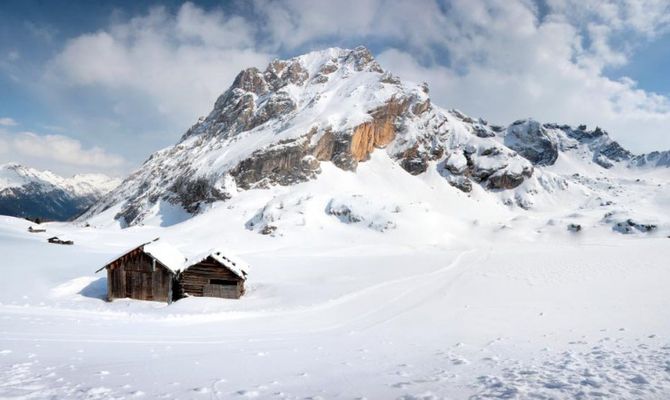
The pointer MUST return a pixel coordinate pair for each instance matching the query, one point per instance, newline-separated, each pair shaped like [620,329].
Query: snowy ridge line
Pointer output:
[286,125]
[29,193]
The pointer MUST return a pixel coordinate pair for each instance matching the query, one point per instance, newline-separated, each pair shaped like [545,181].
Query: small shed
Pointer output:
[216,273]
[146,272]
[159,272]
[57,240]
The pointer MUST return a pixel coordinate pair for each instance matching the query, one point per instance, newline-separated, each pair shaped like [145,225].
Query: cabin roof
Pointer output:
[175,261]
[166,254]
[226,258]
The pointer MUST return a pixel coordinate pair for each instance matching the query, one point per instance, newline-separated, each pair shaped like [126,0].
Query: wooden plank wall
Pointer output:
[134,276]
[195,281]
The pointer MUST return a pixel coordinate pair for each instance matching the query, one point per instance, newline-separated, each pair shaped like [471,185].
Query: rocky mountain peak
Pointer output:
[277,127]
[256,97]
[542,143]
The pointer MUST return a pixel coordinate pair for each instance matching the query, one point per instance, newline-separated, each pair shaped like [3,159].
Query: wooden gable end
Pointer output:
[210,278]
[137,275]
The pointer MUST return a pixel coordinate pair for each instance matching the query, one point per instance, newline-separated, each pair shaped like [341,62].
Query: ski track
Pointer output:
[421,285]
[374,333]
[607,368]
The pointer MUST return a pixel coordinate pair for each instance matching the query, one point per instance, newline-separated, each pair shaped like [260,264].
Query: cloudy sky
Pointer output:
[87,87]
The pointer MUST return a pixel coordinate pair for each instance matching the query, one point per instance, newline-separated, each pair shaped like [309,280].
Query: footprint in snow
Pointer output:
[248,393]
[459,361]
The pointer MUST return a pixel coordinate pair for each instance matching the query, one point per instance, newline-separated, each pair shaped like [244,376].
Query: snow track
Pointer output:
[542,318]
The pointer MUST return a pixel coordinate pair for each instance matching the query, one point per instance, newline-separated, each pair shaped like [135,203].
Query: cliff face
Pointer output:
[276,127]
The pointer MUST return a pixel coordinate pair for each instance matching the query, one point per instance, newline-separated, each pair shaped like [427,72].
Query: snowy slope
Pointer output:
[27,192]
[278,127]
[282,126]
[458,296]
[398,251]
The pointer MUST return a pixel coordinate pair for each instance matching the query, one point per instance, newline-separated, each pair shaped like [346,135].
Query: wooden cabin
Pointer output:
[158,272]
[147,272]
[57,240]
[215,274]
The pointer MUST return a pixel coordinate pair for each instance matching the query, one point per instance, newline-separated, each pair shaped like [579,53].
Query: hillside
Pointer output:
[29,193]
[398,250]
[337,107]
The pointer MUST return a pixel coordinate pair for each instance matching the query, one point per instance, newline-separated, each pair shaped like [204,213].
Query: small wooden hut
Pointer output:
[147,272]
[157,271]
[215,274]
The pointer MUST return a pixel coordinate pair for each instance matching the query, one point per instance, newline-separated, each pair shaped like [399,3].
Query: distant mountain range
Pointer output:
[30,193]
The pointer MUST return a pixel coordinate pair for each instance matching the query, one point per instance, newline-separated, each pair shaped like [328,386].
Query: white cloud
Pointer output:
[57,152]
[508,63]
[4,147]
[63,149]
[6,121]
[647,17]
[499,59]
[13,55]
[180,62]
[291,24]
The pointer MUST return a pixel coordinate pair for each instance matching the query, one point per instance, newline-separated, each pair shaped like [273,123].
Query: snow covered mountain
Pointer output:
[405,250]
[27,192]
[279,126]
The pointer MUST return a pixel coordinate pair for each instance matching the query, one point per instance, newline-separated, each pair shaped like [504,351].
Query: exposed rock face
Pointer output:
[356,210]
[285,166]
[653,159]
[276,127]
[460,182]
[532,141]
[574,228]
[381,131]
[195,192]
[629,226]
[541,143]
[508,179]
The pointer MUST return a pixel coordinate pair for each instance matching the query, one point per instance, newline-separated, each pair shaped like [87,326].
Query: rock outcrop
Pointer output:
[276,126]
[532,141]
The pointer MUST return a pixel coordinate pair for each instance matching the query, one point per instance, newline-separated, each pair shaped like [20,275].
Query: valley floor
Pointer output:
[549,317]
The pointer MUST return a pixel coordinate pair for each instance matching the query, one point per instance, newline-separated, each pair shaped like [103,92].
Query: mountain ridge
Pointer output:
[276,127]
[31,193]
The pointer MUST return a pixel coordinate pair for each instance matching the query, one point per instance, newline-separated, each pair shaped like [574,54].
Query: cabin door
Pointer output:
[139,285]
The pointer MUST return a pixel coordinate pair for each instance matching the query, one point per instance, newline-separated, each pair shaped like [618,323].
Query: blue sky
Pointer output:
[96,87]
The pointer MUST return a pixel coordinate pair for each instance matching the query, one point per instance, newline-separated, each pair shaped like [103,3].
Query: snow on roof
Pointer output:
[166,254]
[175,261]
[163,252]
[226,258]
